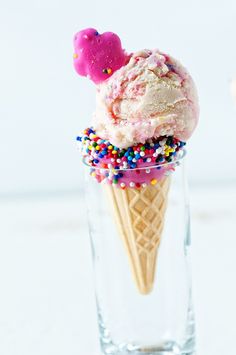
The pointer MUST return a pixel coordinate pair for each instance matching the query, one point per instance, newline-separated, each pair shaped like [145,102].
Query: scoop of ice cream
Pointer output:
[151,96]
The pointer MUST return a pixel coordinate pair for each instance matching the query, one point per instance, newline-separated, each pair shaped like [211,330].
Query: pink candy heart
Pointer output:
[96,55]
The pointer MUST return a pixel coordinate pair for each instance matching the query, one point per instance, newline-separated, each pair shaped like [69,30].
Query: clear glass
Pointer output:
[159,321]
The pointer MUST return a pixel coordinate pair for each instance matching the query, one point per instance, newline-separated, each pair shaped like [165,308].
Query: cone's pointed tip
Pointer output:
[145,290]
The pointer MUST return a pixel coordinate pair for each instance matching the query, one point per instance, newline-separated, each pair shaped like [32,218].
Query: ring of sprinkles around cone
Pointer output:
[134,167]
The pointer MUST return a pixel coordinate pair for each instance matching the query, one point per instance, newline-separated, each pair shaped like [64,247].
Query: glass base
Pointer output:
[128,349]
[165,348]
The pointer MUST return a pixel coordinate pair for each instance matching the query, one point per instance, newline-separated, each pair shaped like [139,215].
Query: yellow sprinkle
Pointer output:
[93,173]
[109,71]
[168,151]
[110,147]
[97,147]
[75,55]
[153,181]
[90,147]
[114,152]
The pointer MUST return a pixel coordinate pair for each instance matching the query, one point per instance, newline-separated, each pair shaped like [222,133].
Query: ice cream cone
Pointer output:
[139,215]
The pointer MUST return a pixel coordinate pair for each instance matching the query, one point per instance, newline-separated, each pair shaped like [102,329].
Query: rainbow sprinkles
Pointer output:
[134,167]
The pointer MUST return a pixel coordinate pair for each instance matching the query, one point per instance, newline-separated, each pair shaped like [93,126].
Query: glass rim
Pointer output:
[181,156]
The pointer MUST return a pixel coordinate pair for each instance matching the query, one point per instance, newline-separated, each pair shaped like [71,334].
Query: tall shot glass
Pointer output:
[140,242]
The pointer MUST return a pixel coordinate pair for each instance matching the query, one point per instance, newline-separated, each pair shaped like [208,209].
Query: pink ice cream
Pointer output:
[152,95]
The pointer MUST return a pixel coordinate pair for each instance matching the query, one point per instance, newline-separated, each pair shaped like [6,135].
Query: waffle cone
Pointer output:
[139,215]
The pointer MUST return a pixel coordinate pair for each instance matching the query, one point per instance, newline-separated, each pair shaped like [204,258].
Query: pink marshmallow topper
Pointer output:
[96,55]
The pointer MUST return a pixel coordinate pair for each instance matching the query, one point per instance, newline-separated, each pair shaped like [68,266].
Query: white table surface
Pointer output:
[46,294]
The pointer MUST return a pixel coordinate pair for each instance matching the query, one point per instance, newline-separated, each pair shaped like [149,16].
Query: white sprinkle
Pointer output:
[142,154]
[144,184]
[109,166]
[112,160]
[131,184]
[135,152]
[149,160]
[148,171]
[118,160]
[163,142]
[151,144]
[159,150]
[134,160]
[155,155]
[122,184]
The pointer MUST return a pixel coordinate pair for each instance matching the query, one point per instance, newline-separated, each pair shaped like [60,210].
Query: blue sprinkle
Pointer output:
[100,155]
[96,161]
[137,156]
[133,165]
[130,158]
[79,139]
[120,175]
[170,66]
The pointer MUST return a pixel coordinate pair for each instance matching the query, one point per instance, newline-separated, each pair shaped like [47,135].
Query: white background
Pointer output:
[44,103]
[46,296]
